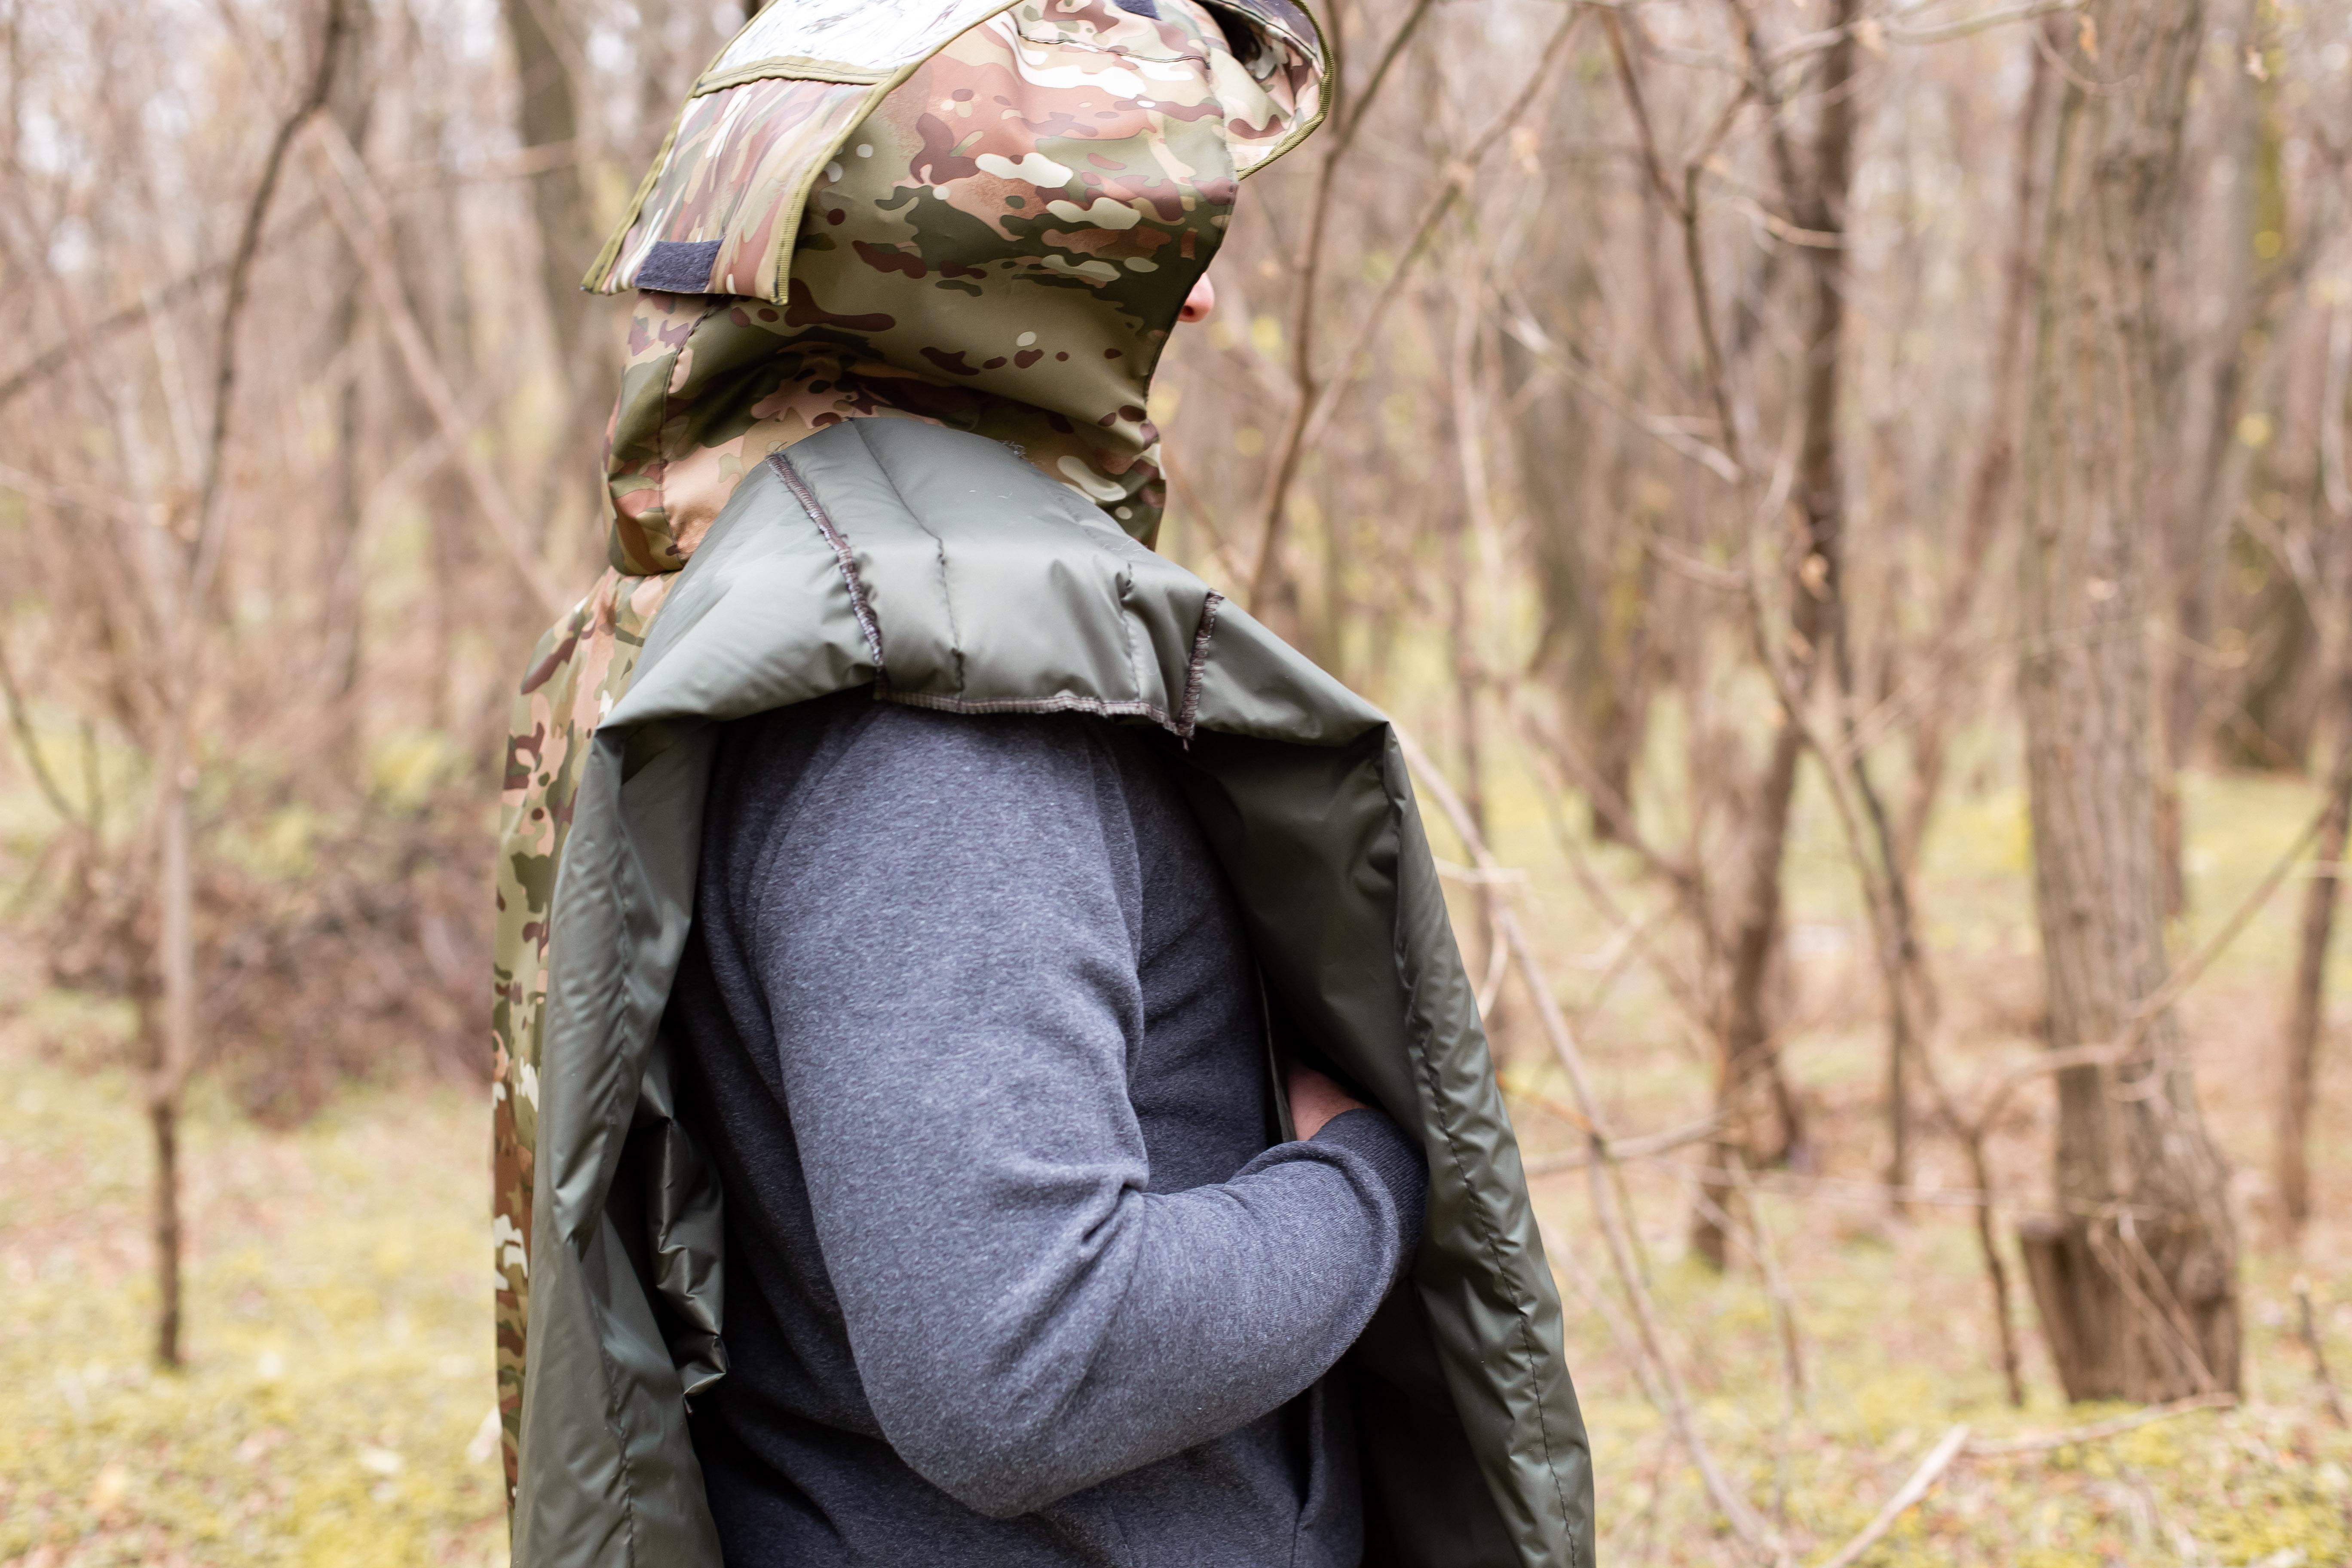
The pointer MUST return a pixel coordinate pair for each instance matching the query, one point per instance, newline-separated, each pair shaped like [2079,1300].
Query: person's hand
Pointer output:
[1315,1099]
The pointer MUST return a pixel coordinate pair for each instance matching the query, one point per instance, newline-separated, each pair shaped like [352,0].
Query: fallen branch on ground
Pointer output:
[2039,1443]
[1937,1462]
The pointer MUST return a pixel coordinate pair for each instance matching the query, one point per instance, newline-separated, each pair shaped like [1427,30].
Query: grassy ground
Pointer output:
[333,1412]
[1894,1324]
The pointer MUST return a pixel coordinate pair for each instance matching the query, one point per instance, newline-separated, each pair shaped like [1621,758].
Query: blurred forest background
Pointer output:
[1849,498]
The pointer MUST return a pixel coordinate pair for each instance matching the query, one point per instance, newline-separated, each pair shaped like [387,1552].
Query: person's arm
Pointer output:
[947,952]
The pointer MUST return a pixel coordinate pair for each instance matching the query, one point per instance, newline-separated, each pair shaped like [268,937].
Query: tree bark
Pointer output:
[341,643]
[1749,1054]
[548,115]
[173,1049]
[2136,1277]
[164,1124]
[2307,1007]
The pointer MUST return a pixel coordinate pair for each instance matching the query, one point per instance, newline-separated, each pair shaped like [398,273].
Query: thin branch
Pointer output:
[1313,397]
[358,211]
[1937,1462]
[1390,55]
[1652,164]
[21,722]
[1784,1300]
[64,351]
[1660,428]
[1989,20]
[1287,453]
[1645,1146]
[211,516]
[2308,1328]
[2041,1443]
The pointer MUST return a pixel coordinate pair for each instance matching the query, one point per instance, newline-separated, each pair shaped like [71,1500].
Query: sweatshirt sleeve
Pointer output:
[945,936]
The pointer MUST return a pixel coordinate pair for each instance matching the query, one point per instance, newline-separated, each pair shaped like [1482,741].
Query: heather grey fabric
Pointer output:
[971,1029]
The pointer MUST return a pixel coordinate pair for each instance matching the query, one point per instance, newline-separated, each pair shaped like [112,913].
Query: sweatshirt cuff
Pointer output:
[1394,1158]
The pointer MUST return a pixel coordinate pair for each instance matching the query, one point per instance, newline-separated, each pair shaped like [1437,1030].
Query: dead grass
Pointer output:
[1893,1315]
[341,1346]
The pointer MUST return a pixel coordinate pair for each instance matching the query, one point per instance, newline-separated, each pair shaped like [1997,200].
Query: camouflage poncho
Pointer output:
[959,211]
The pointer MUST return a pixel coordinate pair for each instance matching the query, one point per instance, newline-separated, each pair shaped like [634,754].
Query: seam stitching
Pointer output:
[1124,580]
[1189,714]
[1064,703]
[1492,1245]
[866,624]
[939,553]
[947,600]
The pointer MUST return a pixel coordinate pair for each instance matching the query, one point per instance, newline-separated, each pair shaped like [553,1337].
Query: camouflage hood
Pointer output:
[983,214]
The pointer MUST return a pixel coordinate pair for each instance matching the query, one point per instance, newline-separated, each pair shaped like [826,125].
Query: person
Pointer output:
[983,1076]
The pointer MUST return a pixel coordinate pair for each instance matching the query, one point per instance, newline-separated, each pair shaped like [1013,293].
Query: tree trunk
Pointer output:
[1749,1053]
[1749,1060]
[340,583]
[2251,287]
[2307,1008]
[172,1051]
[163,1122]
[2136,1277]
[548,116]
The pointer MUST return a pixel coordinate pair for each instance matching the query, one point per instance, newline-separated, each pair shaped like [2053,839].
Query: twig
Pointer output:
[358,211]
[1313,396]
[2040,1443]
[1784,1302]
[2309,1325]
[2184,975]
[69,493]
[437,175]
[1937,1462]
[1660,428]
[60,354]
[210,517]
[1284,469]
[1991,19]
[1643,1147]
[21,722]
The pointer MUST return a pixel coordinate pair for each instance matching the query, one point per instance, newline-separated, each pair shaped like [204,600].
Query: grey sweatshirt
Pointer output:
[970,1026]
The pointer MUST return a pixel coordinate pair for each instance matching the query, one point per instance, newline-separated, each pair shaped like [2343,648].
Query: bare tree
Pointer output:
[1816,191]
[2307,1000]
[2137,1278]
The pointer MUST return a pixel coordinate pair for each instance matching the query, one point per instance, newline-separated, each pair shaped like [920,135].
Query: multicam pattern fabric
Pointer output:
[762,129]
[1001,245]
[736,173]
[579,671]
